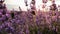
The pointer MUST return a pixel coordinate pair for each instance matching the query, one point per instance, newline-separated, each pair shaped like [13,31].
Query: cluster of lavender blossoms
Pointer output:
[30,21]
[27,23]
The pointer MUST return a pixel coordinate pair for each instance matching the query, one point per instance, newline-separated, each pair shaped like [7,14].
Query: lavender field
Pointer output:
[30,21]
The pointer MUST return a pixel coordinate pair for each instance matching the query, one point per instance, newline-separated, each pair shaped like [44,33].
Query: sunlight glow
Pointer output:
[16,3]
